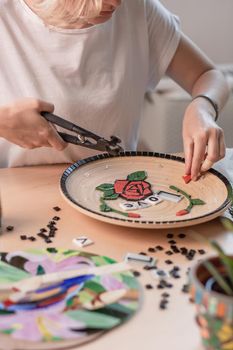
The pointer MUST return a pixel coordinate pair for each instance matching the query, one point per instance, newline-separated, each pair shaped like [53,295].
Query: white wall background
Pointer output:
[209,23]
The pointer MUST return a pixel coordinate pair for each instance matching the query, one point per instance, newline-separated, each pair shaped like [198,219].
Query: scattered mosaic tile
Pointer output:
[140,258]
[82,241]
[169,252]
[168,196]
[159,247]
[136,273]
[56,208]
[159,274]
[151,250]
[153,200]
[129,205]
[163,276]
[23,237]
[149,286]
[187,178]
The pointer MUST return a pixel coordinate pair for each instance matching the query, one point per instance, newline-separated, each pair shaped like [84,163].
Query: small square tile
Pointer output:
[82,241]
[127,206]
[153,200]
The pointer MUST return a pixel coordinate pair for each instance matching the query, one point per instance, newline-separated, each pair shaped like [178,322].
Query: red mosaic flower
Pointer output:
[132,190]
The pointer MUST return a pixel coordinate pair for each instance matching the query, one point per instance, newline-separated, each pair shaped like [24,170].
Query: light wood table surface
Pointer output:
[28,196]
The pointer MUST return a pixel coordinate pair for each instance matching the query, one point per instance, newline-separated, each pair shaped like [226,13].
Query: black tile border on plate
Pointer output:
[101,156]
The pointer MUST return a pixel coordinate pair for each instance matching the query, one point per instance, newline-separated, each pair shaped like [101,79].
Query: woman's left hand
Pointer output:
[203,139]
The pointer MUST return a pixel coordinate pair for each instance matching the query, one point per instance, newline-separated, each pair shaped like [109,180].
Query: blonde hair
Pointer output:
[69,10]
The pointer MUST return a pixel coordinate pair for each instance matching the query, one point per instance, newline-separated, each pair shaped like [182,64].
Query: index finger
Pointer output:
[198,156]
[188,153]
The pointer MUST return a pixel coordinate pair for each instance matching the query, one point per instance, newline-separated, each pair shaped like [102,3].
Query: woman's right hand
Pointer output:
[21,123]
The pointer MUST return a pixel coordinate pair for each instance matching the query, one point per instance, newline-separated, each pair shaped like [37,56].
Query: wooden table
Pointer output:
[28,196]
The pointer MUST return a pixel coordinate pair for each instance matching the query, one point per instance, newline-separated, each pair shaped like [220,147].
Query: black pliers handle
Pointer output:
[84,138]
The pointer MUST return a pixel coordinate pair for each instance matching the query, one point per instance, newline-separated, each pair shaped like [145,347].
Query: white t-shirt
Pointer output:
[96,77]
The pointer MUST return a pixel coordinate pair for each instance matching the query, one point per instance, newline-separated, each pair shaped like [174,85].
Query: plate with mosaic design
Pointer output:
[63,314]
[103,185]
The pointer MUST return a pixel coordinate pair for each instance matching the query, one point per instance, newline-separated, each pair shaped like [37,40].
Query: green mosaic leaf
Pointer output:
[69,302]
[104,207]
[10,273]
[94,319]
[8,331]
[52,250]
[102,260]
[120,308]
[6,312]
[93,286]
[197,201]
[130,281]
[56,338]
[108,192]
[133,305]
[70,251]
[111,196]
[137,176]
[105,187]
[85,296]
[108,260]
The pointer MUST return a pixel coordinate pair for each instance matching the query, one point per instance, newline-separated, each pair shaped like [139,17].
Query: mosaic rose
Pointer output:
[133,190]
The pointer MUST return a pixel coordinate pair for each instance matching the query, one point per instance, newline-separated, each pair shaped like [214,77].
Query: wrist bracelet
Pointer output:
[213,104]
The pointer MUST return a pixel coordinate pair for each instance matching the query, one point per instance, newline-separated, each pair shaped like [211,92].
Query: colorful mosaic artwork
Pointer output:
[215,319]
[216,333]
[72,309]
[138,194]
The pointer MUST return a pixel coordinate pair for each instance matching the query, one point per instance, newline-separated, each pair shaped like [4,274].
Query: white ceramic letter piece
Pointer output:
[148,260]
[82,241]
[153,200]
[168,196]
[129,206]
[143,204]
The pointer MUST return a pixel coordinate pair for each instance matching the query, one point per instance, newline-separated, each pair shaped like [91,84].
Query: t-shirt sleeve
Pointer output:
[163,36]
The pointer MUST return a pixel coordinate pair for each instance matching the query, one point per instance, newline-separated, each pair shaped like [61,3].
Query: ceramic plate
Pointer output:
[79,182]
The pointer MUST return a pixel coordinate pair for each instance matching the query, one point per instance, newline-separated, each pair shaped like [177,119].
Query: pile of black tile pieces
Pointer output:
[25,237]
[48,233]
[164,301]
[174,273]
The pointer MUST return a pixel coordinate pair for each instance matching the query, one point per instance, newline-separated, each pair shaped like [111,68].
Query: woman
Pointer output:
[91,61]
